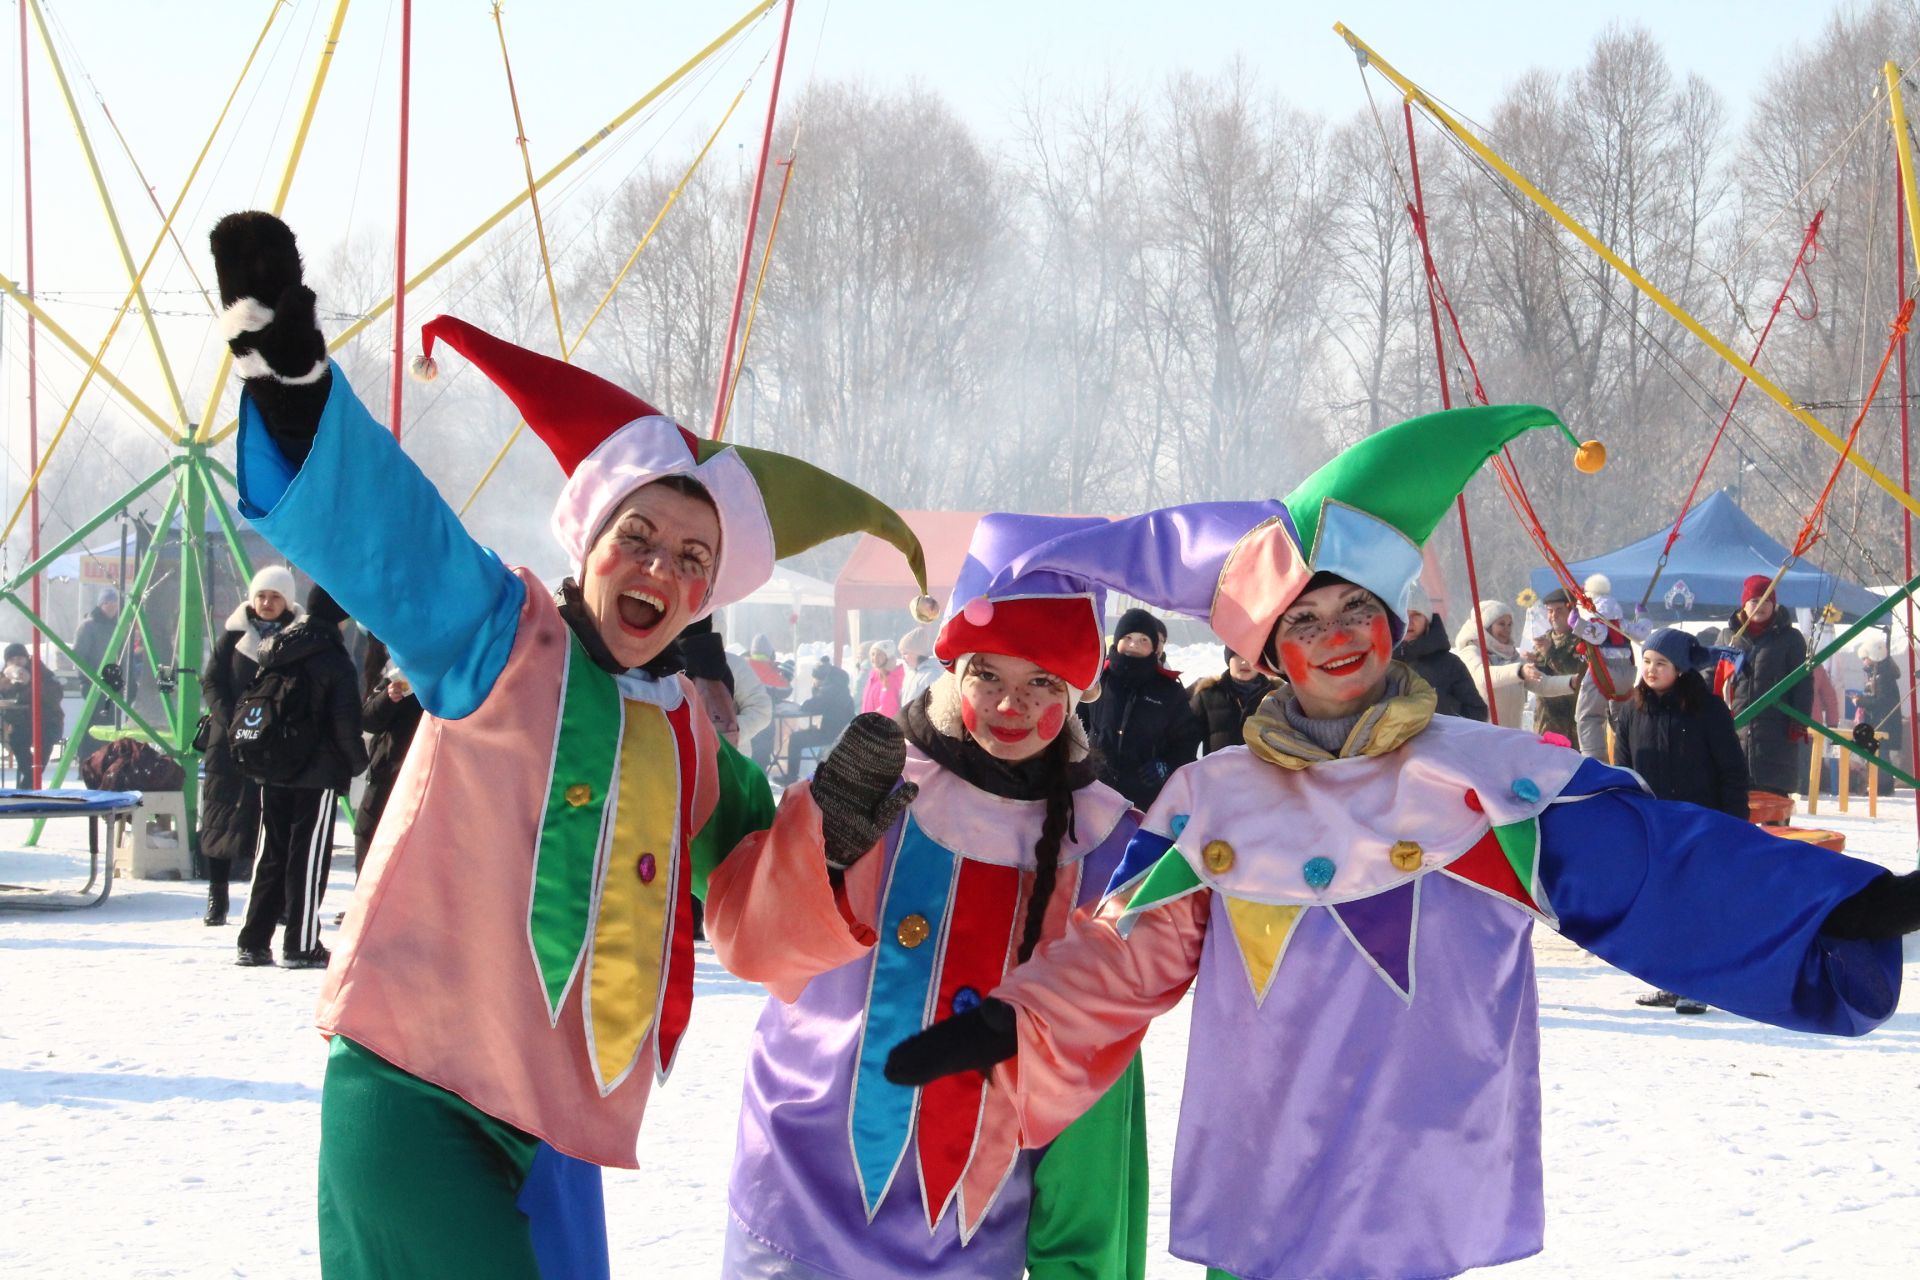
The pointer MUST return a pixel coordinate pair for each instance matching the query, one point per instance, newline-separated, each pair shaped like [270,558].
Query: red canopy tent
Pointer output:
[876,575]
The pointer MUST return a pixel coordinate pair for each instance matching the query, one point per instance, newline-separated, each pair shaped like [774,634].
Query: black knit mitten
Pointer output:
[858,787]
[972,1041]
[1888,907]
[268,322]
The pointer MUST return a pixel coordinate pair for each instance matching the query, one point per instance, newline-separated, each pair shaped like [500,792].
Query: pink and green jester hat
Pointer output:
[1363,516]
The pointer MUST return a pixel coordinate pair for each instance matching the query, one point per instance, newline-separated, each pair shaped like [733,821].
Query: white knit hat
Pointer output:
[273,577]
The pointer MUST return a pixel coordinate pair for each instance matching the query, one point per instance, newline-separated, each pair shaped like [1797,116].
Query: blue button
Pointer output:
[1317,872]
[1179,824]
[1526,790]
[965,999]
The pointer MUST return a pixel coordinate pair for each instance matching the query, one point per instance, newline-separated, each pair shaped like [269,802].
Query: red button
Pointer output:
[1473,800]
[646,868]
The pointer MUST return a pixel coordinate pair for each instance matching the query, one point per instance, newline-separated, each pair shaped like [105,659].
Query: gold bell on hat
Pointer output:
[925,609]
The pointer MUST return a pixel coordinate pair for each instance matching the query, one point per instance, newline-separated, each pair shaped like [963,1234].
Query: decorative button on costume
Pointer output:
[1218,855]
[913,931]
[579,795]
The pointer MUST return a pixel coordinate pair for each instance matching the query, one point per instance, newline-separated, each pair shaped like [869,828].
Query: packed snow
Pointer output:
[162,1110]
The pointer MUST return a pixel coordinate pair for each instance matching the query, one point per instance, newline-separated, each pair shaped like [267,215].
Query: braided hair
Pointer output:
[1054,828]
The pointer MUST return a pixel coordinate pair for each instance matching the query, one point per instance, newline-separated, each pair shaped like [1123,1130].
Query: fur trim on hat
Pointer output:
[1597,584]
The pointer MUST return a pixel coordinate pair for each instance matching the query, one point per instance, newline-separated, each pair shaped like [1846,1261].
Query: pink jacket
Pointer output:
[883,691]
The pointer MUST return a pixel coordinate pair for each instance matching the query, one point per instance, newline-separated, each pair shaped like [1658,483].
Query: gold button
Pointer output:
[1405,855]
[579,794]
[1218,855]
[913,931]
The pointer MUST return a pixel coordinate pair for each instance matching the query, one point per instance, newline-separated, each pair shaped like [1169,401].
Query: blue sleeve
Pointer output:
[1713,907]
[360,519]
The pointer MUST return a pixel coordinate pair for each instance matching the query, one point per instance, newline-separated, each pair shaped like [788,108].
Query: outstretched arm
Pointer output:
[331,489]
[1701,902]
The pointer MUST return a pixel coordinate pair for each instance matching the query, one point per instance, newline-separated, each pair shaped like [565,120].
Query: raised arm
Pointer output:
[332,490]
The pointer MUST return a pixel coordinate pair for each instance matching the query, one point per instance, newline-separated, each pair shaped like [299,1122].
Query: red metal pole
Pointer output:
[1906,467]
[400,224]
[33,398]
[1446,402]
[753,221]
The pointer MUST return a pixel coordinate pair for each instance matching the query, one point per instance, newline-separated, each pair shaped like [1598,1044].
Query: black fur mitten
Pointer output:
[1888,907]
[268,323]
[972,1041]
[858,787]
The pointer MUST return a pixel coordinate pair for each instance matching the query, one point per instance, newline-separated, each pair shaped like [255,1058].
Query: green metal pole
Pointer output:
[85,531]
[242,562]
[190,639]
[1849,744]
[1840,642]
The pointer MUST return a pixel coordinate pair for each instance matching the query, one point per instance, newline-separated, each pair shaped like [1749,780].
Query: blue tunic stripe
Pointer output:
[919,887]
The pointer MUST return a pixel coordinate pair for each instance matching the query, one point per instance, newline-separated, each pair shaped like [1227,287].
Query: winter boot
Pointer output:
[254,958]
[316,958]
[1658,1000]
[216,905]
[1684,1005]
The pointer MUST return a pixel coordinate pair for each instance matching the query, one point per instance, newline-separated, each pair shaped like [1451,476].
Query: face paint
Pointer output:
[969,717]
[1051,721]
[1293,658]
[1382,637]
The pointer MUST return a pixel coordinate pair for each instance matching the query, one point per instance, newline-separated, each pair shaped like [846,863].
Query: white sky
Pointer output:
[163,70]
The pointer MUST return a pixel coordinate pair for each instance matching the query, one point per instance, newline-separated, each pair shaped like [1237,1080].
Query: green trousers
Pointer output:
[1088,1220]
[415,1181]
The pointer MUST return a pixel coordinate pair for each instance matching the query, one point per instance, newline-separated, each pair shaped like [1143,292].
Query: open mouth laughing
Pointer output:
[641,609]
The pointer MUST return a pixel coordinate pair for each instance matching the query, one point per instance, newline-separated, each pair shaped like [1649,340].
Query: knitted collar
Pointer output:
[1406,707]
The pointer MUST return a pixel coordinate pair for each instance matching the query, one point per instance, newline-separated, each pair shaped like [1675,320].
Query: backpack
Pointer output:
[130,765]
[273,731]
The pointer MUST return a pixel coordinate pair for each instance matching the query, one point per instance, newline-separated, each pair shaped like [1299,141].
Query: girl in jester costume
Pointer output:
[517,965]
[1356,889]
[873,903]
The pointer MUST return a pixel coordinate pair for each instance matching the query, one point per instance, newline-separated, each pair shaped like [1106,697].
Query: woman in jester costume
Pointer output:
[874,903]
[517,965]
[1356,889]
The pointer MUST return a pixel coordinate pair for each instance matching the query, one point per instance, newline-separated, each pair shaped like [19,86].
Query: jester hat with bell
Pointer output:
[610,442]
[1363,517]
[1049,617]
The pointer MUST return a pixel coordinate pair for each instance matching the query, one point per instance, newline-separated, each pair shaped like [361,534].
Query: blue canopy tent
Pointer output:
[1719,548]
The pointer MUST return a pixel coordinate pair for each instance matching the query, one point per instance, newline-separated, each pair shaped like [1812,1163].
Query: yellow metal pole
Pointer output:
[1686,319]
[568,350]
[601,135]
[1903,141]
[94,365]
[113,216]
[1818,753]
[533,193]
[1873,790]
[280,196]
[67,340]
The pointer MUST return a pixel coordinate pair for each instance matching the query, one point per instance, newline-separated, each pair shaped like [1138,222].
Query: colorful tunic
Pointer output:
[1361,929]
[838,1173]
[522,934]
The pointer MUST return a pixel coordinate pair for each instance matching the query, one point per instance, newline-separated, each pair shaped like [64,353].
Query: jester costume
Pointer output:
[1362,1096]
[517,965]
[839,1174]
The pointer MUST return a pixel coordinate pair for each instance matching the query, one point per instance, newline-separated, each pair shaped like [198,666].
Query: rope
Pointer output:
[753,308]
[533,188]
[1815,526]
[1801,261]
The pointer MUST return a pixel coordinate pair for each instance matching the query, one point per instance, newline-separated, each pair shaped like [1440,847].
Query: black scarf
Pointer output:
[1127,672]
[974,765]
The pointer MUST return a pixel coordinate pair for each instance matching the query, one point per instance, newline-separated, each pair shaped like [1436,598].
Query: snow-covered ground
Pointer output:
[160,1112]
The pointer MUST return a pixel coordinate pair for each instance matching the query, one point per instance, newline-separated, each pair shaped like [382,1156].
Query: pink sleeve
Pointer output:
[1084,1002]
[774,915]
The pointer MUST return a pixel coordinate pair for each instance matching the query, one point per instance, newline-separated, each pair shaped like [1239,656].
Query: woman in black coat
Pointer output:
[390,713]
[1141,726]
[1675,734]
[1679,737]
[1425,649]
[1222,703]
[230,801]
[1774,649]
